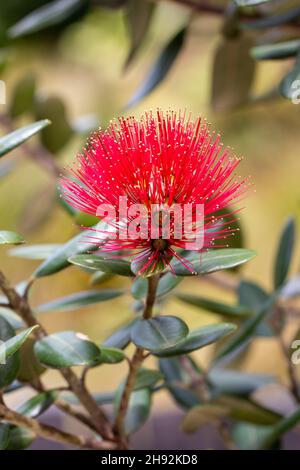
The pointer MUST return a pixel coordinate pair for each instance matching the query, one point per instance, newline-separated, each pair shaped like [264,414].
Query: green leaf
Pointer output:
[253,297]
[233,73]
[51,14]
[13,344]
[158,333]
[138,15]
[18,438]
[216,307]
[8,370]
[147,378]
[160,68]
[55,137]
[16,138]
[121,338]
[30,368]
[212,261]
[109,356]
[232,382]
[41,252]
[106,265]
[284,253]
[166,284]
[23,96]
[281,50]
[245,332]
[199,338]
[79,300]
[178,381]
[66,349]
[12,318]
[10,238]
[138,410]
[38,404]
[59,259]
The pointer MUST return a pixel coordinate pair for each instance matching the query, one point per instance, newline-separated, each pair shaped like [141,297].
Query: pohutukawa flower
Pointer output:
[160,183]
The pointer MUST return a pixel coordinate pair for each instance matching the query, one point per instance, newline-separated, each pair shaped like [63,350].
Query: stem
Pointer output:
[135,364]
[21,306]
[51,433]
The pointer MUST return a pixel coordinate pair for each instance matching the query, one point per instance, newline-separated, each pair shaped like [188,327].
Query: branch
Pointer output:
[21,306]
[135,364]
[51,433]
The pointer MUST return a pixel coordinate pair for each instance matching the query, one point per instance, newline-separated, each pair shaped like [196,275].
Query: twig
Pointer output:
[21,306]
[51,433]
[135,364]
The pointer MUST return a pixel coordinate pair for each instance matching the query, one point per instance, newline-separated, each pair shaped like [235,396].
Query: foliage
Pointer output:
[218,394]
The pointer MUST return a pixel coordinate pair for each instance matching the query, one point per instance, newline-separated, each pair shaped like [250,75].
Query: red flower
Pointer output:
[167,160]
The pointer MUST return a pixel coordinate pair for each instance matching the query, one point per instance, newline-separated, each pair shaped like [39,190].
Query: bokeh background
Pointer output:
[83,64]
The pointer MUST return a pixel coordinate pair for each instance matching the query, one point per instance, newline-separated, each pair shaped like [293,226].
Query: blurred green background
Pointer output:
[84,66]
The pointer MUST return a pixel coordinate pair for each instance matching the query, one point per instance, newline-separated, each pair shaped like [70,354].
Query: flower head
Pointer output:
[159,182]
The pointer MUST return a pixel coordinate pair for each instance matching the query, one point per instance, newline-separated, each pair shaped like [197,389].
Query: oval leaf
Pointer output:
[138,410]
[199,338]
[106,265]
[110,356]
[13,344]
[8,367]
[66,349]
[158,333]
[79,244]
